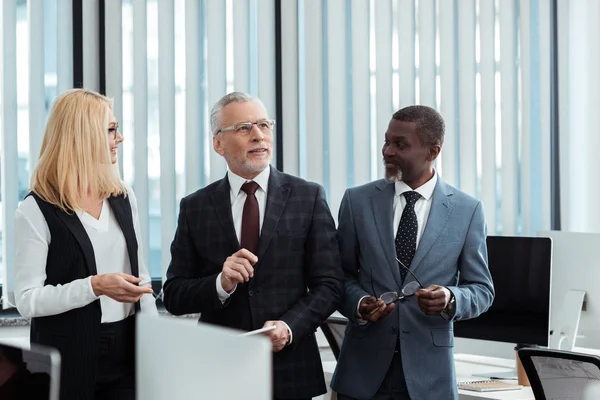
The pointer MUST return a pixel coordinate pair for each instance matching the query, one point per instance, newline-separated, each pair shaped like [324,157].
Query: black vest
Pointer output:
[75,333]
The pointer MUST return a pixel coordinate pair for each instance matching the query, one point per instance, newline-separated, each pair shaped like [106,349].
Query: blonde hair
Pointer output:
[75,158]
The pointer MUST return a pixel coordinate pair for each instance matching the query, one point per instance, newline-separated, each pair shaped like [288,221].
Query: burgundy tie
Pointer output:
[250,220]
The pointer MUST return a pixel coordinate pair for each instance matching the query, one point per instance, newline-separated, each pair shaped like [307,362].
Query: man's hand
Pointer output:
[280,336]
[238,268]
[119,286]
[433,299]
[372,309]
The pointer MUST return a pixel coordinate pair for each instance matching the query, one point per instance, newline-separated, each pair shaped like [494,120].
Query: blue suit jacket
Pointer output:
[452,253]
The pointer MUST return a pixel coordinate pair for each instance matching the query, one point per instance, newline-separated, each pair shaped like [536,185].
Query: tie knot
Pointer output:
[250,187]
[411,198]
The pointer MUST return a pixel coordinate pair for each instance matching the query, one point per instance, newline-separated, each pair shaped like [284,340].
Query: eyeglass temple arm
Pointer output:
[412,273]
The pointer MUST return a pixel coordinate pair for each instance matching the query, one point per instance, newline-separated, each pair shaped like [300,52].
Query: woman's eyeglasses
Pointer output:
[113,131]
[408,290]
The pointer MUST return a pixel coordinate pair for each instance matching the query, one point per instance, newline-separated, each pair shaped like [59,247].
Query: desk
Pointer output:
[467,365]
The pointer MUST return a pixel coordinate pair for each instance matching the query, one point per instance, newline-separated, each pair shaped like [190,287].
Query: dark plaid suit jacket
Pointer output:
[298,277]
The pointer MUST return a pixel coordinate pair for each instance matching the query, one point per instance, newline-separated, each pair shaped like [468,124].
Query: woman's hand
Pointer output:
[119,286]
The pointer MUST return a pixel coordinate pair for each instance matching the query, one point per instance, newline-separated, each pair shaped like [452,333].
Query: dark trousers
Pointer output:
[393,386]
[115,379]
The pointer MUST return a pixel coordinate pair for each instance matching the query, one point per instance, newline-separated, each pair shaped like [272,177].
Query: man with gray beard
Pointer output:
[414,254]
[257,249]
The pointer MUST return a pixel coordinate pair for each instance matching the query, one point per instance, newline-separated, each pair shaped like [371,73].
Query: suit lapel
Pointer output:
[441,207]
[121,208]
[222,204]
[74,224]
[382,201]
[277,195]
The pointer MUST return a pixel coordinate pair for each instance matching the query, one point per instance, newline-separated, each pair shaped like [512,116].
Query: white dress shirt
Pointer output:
[34,299]
[238,198]
[422,208]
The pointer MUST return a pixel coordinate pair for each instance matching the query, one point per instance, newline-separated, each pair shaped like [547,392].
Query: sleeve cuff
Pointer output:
[450,311]
[359,319]
[223,295]
[90,292]
[290,331]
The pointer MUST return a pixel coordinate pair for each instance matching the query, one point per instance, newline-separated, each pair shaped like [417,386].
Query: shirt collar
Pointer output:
[236,181]
[425,190]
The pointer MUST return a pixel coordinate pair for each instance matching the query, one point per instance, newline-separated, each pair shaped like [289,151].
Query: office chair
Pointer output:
[556,374]
[333,329]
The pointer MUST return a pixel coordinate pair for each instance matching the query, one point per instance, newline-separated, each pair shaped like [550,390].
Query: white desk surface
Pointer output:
[467,365]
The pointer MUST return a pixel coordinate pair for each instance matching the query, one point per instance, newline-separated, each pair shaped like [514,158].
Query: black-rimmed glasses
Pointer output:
[243,128]
[113,131]
[407,290]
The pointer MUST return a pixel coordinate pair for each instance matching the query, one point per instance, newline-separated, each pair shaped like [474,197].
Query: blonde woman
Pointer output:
[77,262]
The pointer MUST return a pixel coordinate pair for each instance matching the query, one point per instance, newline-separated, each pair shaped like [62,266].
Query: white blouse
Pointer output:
[34,299]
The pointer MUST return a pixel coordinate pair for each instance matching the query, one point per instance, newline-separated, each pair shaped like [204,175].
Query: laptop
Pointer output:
[28,371]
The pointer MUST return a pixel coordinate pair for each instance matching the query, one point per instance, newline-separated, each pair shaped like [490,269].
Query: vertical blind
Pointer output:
[37,53]
[177,59]
[158,71]
[349,64]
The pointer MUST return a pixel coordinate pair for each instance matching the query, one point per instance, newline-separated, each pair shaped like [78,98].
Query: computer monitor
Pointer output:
[34,371]
[521,271]
[179,359]
[575,294]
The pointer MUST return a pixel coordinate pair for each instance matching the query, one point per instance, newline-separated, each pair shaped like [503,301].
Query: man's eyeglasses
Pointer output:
[113,131]
[243,128]
[408,290]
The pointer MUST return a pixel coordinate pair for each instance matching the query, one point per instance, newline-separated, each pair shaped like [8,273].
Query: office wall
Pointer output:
[579,92]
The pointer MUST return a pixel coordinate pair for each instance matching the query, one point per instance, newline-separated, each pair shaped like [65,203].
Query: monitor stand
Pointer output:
[564,329]
[562,332]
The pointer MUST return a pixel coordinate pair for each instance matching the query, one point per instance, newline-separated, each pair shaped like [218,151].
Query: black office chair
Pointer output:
[333,329]
[556,374]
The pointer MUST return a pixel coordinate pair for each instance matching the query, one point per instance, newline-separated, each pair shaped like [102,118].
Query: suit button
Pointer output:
[250,293]
[394,329]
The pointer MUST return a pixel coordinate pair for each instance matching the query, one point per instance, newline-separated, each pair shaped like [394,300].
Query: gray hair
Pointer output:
[237,97]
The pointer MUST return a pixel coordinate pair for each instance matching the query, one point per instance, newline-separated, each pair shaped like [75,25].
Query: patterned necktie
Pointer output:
[250,220]
[406,237]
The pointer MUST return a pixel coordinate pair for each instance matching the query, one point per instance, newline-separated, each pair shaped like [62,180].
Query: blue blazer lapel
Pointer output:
[222,204]
[441,207]
[277,195]
[382,201]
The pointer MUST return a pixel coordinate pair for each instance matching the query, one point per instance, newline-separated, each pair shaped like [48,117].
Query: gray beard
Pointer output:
[393,178]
